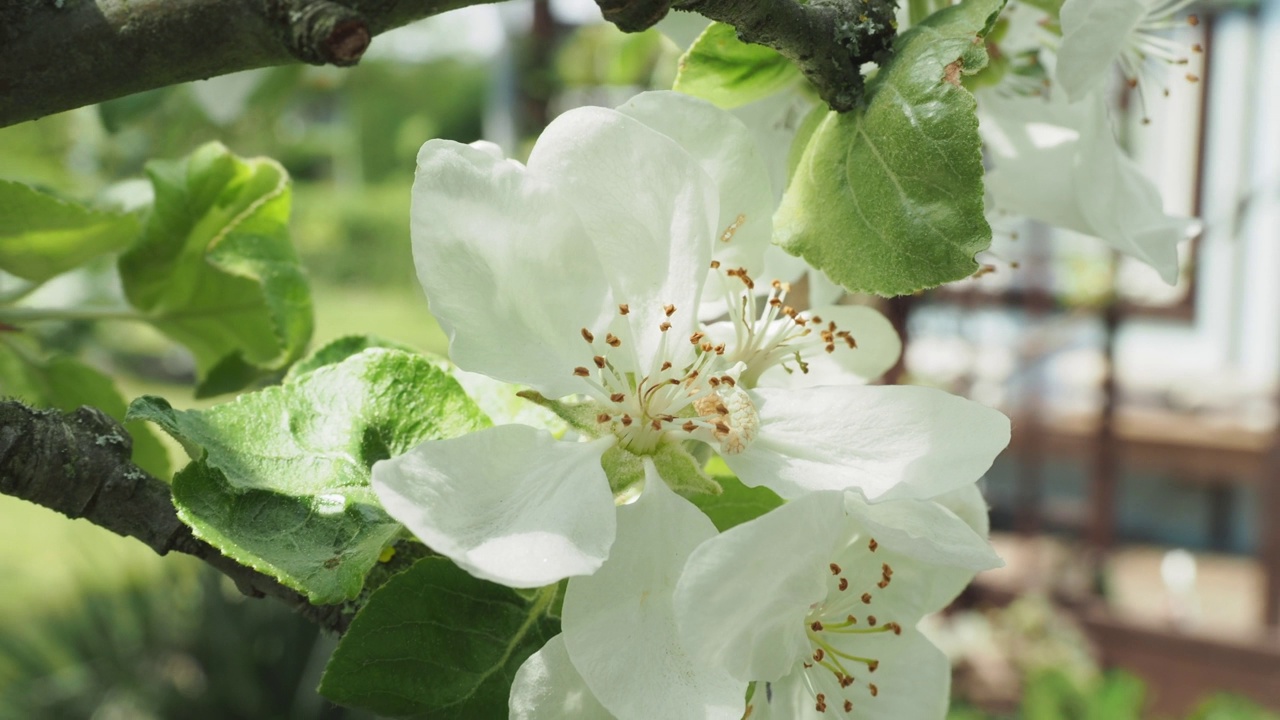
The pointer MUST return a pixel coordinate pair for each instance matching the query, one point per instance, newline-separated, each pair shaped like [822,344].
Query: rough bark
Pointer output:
[77,463]
[829,40]
[61,54]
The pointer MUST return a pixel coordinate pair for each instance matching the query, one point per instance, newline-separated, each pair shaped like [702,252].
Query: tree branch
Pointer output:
[61,54]
[829,40]
[78,464]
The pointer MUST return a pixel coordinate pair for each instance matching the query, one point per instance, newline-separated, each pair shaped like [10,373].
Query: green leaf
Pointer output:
[43,236]
[728,72]
[281,481]
[737,503]
[65,383]
[215,269]
[888,199]
[339,350]
[436,643]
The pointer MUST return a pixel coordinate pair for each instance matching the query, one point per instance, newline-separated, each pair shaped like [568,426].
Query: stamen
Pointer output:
[624,309]
[586,335]
[581,372]
[612,340]
[669,310]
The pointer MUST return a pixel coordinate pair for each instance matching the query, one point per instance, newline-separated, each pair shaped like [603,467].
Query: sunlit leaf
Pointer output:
[42,236]
[728,72]
[281,478]
[215,269]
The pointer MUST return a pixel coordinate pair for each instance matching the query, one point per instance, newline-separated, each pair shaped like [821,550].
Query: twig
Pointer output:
[77,463]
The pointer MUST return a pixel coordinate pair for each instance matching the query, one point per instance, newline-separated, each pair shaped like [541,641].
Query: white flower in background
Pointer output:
[579,275]
[1060,164]
[817,603]
[1099,34]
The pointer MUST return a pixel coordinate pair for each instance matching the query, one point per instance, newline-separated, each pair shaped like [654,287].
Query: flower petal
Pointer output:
[726,151]
[742,599]
[934,553]
[506,265]
[509,504]
[619,623]
[913,681]
[872,438]
[1094,32]
[548,687]
[647,206]
[878,348]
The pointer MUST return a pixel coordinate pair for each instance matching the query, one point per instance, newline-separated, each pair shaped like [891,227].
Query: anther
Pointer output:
[612,340]
[713,382]
[603,418]
[669,310]
[705,347]
[626,421]
[866,600]
[696,338]
[715,264]
[656,424]
[664,326]
[624,309]
[586,335]
[848,706]
[895,627]
[689,426]
[1193,20]
[720,349]
[851,620]
[599,361]
[666,365]
[818,655]
[581,372]
[873,545]
[844,584]
[873,666]
[846,681]
[722,428]
[835,569]
[874,690]
[816,626]
[871,619]
[618,397]
[728,380]
[821,705]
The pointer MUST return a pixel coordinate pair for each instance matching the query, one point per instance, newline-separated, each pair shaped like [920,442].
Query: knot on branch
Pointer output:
[829,40]
[634,15]
[321,32]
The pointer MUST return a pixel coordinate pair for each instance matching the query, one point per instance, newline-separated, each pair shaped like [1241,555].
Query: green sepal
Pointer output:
[624,468]
[888,199]
[215,269]
[580,416]
[722,69]
[43,235]
[436,643]
[683,472]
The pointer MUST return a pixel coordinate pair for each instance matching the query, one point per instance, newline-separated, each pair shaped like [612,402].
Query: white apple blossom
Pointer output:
[1099,34]
[580,276]
[1059,163]
[817,603]
[620,655]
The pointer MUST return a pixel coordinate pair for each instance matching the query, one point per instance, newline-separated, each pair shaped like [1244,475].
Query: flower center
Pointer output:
[768,332]
[833,625]
[696,398]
